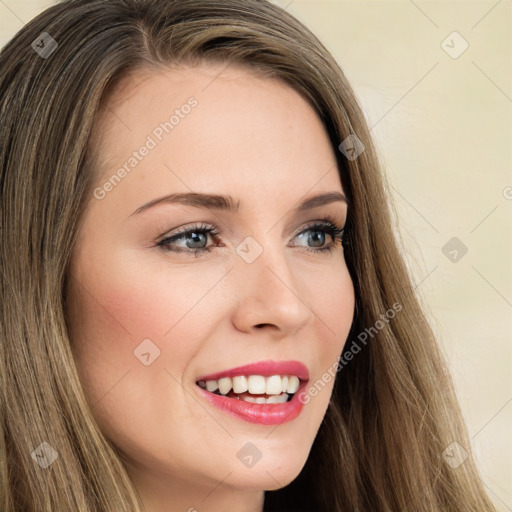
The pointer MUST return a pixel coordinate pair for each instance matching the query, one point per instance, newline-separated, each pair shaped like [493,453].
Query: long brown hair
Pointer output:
[393,410]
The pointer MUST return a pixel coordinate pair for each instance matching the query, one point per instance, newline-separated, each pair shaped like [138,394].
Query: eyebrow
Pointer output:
[228,203]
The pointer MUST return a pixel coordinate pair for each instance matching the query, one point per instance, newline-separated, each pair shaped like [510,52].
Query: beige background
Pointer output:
[443,127]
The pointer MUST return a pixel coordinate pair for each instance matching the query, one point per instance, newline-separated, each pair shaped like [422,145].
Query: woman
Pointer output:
[203,303]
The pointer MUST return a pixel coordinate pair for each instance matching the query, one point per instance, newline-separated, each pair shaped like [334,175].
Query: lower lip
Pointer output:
[264,414]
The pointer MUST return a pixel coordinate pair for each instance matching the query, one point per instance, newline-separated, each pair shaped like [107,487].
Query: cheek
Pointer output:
[115,307]
[334,306]
[331,297]
[337,303]
[113,310]
[328,291]
[134,300]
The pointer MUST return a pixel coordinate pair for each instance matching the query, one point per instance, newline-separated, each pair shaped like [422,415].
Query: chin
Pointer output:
[269,475]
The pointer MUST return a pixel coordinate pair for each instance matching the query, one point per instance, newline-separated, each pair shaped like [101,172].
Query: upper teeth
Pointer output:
[255,384]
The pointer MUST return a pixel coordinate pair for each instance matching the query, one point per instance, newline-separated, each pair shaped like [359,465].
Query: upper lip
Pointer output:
[265,368]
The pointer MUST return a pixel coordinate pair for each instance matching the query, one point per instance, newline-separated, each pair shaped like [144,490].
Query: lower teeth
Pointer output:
[268,399]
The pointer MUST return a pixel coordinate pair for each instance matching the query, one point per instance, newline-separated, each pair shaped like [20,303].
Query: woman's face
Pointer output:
[152,312]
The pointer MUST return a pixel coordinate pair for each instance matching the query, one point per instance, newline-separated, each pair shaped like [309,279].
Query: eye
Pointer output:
[194,240]
[322,228]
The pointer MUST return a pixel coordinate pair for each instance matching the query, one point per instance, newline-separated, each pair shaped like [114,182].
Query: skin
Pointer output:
[259,141]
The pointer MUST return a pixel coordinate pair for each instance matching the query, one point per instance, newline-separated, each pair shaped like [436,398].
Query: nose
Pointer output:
[269,296]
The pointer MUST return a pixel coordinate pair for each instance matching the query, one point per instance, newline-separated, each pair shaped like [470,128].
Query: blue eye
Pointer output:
[322,228]
[196,238]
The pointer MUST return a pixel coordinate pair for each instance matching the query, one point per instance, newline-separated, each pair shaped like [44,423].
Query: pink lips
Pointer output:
[265,368]
[264,414]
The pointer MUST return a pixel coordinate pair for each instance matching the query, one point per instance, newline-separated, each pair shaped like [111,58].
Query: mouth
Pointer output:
[256,389]
[262,392]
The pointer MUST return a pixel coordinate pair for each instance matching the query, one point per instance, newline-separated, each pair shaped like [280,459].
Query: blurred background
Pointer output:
[435,81]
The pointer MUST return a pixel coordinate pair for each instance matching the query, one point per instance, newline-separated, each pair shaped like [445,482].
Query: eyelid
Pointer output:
[315,223]
[198,226]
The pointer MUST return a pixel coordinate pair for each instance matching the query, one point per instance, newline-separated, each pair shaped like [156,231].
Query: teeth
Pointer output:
[273,385]
[293,384]
[225,385]
[211,385]
[240,384]
[256,384]
[277,385]
[275,399]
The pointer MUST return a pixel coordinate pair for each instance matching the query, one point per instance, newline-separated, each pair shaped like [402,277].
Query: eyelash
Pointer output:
[327,225]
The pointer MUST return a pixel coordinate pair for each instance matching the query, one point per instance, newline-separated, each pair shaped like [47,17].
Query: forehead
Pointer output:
[244,129]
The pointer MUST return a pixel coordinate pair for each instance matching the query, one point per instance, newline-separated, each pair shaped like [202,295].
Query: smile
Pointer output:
[257,389]
[261,397]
